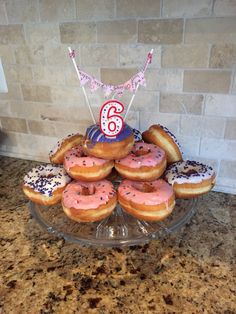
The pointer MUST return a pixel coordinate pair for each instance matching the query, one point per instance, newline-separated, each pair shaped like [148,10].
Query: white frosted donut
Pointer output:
[56,155]
[44,184]
[190,178]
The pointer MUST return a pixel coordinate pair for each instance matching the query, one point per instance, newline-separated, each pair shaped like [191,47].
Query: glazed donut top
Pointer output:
[94,134]
[60,142]
[147,193]
[87,195]
[143,154]
[45,179]
[75,157]
[137,135]
[188,172]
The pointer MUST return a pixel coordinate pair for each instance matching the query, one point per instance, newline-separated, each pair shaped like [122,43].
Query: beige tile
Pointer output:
[14,92]
[45,128]
[7,54]
[171,121]
[189,145]
[14,124]
[74,33]
[133,119]
[38,34]
[230,130]
[160,31]
[56,10]
[21,11]
[57,55]
[5,109]
[220,105]
[137,8]
[29,146]
[30,54]
[124,31]
[95,9]
[211,30]
[59,129]
[181,103]
[69,95]
[213,127]
[38,93]
[169,80]
[3,14]
[190,125]
[143,101]
[186,8]
[136,54]
[116,76]
[11,34]
[228,169]
[26,110]
[185,56]
[224,7]
[207,81]
[223,56]
[218,147]
[18,73]
[99,55]
[48,75]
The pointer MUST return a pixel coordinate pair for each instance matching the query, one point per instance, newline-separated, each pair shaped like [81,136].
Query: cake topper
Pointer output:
[111,122]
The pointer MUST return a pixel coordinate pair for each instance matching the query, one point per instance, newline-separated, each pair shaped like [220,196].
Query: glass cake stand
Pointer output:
[119,229]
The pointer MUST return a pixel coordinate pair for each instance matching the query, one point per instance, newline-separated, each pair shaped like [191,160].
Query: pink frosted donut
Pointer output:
[87,168]
[147,200]
[146,162]
[89,201]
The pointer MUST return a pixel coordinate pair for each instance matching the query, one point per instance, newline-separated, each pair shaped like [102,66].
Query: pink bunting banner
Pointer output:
[130,85]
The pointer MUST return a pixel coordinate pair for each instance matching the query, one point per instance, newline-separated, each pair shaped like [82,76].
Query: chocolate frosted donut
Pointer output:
[190,178]
[101,146]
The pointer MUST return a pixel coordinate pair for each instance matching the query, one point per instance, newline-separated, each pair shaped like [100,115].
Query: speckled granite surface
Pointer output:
[191,271]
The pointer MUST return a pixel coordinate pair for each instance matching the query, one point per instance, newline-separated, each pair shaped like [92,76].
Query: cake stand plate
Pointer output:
[119,229]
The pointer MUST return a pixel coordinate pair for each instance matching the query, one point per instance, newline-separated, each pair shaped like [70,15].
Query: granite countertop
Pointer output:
[190,271]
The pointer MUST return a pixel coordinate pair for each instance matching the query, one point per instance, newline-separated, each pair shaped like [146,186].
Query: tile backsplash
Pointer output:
[191,83]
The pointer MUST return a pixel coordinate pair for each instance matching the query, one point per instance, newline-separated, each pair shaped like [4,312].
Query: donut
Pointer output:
[56,155]
[161,136]
[190,178]
[89,201]
[98,145]
[44,184]
[146,162]
[147,200]
[86,168]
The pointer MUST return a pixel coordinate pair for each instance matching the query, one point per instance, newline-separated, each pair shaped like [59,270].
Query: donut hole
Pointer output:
[141,152]
[144,187]
[88,190]
[190,172]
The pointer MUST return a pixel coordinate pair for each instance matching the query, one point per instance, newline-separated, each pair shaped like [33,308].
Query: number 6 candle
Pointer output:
[111,123]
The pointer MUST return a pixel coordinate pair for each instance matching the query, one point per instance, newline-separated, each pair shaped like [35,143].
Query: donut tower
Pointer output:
[149,165]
